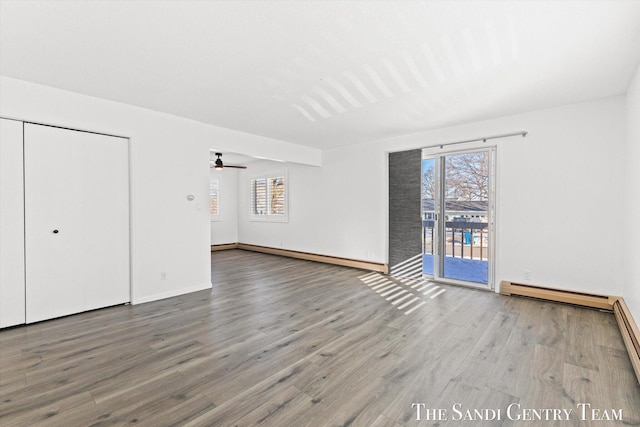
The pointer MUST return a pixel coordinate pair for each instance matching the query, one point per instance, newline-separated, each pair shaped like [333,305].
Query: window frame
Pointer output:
[268,216]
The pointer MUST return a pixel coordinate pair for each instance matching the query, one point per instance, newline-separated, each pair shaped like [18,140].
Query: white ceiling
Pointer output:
[326,73]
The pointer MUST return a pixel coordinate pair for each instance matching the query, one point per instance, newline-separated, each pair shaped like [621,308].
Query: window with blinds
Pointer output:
[214,198]
[277,195]
[269,198]
[259,196]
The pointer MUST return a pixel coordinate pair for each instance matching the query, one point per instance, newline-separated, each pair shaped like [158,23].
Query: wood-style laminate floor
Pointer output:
[283,342]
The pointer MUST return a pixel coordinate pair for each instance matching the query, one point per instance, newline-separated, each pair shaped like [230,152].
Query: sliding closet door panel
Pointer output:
[11,224]
[53,221]
[76,221]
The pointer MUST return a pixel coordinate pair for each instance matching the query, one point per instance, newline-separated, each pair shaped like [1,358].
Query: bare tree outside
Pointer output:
[428,182]
[467,178]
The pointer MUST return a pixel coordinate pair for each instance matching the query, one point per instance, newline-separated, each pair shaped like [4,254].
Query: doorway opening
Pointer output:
[457,209]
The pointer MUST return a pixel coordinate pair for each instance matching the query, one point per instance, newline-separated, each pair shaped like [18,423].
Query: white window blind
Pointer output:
[259,196]
[214,198]
[277,196]
[269,198]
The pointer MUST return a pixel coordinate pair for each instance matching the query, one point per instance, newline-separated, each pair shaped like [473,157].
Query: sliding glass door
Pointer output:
[457,216]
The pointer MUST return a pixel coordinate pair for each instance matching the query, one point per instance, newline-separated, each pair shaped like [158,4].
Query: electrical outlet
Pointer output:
[527,275]
[163,276]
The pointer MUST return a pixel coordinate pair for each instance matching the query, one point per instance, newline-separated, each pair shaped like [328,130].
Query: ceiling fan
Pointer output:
[217,164]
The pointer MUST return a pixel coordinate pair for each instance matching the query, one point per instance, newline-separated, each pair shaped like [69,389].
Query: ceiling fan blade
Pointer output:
[217,163]
[213,165]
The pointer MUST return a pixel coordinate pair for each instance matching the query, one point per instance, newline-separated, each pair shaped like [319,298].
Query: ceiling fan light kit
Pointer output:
[219,165]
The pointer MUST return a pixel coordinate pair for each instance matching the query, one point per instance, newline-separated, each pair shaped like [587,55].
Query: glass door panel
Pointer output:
[466,217]
[457,198]
[428,215]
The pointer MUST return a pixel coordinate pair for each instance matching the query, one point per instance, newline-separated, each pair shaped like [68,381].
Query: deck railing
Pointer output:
[463,239]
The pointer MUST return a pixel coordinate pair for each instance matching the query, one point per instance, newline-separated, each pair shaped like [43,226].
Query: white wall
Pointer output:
[224,229]
[12,257]
[559,197]
[560,190]
[331,210]
[169,159]
[631,236]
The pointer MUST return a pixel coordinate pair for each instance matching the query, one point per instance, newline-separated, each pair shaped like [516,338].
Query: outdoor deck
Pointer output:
[466,250]
[470,270]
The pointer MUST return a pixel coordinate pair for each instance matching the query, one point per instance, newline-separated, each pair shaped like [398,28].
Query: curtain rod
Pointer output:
[483,139]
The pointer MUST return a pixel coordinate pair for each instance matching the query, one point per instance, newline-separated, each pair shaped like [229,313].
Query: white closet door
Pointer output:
[76,221]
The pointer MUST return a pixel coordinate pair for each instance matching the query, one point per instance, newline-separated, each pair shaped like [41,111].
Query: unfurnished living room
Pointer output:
[319,213]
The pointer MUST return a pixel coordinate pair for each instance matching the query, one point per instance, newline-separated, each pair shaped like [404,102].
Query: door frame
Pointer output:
[439,223]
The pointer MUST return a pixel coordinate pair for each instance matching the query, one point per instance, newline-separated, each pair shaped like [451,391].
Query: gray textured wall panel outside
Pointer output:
[405,225]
